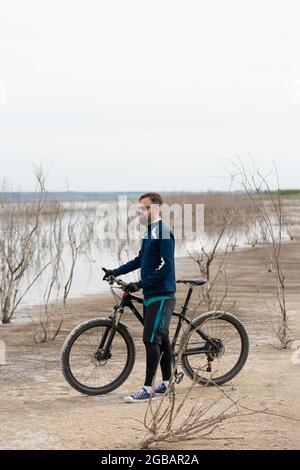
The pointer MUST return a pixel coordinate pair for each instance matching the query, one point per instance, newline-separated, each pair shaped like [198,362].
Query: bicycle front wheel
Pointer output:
[208,365]
[83,365]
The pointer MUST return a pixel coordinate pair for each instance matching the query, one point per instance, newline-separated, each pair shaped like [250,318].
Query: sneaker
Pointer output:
[139,396]
[160,389]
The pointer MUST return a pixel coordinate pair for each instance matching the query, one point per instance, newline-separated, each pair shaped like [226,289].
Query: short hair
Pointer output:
[155,198]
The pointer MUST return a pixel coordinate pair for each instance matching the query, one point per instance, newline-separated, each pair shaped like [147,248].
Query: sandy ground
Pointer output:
[40,411]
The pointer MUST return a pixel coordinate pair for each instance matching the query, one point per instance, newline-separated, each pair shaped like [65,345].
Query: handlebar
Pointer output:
[113,280]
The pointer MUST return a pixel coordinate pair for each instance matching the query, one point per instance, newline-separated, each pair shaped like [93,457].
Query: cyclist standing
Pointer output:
[156,261]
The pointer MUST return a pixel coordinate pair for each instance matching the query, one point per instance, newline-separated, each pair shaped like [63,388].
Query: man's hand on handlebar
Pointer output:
[110,276]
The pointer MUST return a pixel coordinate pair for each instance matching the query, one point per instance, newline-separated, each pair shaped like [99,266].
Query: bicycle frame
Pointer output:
[127,301]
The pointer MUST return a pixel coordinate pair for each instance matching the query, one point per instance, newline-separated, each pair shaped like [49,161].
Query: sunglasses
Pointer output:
[144,208]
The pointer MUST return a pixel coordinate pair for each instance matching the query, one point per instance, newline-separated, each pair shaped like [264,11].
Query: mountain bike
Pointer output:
[99,354]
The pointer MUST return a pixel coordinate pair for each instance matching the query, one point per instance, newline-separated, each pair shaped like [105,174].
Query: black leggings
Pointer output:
[153,353]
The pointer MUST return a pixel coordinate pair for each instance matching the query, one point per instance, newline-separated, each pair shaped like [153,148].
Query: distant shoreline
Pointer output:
[96,196]
[69,196]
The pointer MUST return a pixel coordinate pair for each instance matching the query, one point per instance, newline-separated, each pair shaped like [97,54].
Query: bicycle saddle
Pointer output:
[194,282]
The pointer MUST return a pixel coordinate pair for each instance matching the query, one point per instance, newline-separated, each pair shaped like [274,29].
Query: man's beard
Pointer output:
[144,220]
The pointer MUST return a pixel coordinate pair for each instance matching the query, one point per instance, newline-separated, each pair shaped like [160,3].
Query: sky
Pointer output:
[137,95]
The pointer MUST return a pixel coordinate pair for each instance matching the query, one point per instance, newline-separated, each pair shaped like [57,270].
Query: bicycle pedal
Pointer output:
[179,377]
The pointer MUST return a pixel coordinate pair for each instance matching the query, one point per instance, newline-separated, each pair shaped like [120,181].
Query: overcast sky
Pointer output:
[140,95]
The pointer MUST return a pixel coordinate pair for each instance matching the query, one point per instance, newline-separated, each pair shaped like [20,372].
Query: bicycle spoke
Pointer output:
[84,365]
[211,366]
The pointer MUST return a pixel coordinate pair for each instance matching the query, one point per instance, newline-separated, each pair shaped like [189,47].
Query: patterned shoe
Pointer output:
[140,396]
[160,389]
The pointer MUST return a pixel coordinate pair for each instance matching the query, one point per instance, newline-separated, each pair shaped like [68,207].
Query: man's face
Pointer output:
[144,211]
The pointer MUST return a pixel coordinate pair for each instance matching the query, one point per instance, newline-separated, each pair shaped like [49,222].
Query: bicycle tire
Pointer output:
[197,322]
[69,342]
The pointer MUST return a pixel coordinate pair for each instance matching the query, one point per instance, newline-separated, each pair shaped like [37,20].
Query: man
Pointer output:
[156,260]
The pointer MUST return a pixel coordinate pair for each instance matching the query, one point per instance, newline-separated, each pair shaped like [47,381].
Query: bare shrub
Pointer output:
[64,235]
[224,224]
[268,204]
[19,234]
[51,316]
[172,420]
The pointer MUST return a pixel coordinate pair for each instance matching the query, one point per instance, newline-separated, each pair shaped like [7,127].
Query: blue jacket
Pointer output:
[156,260]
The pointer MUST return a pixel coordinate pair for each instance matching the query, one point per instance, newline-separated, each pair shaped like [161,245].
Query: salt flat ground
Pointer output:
[40,411]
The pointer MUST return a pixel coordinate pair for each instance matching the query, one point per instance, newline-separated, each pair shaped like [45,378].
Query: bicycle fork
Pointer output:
[103,351]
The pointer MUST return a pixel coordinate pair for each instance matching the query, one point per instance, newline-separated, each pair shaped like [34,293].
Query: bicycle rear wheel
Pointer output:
[220,365]
[82,364]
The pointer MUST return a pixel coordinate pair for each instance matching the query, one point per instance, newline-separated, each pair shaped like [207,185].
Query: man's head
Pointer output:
[149,207]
